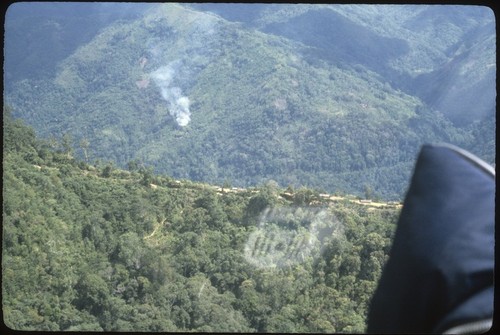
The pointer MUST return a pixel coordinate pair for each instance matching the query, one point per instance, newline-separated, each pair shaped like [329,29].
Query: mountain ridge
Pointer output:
[96,248]
[212,100]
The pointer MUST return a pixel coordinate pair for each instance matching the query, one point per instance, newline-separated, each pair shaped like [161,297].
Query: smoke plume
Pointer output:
[178,104]
[191,49]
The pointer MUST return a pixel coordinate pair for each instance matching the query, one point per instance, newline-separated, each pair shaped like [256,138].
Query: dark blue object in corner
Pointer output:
[440,270]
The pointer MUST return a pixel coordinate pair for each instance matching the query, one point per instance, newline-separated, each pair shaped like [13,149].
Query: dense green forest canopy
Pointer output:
[335,97]
[93,247]
[223,167]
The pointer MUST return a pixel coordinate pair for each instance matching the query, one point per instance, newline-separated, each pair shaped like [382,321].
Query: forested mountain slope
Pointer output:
[40,35]
[92,248]
[302,95]
[428,51]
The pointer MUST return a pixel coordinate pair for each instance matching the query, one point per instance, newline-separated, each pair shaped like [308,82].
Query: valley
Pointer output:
[202,93]
[209,167]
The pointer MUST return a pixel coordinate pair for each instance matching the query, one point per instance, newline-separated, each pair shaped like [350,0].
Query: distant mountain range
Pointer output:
[336,97]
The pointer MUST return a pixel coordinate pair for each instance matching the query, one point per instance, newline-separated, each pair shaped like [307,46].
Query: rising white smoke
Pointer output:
[200,40]
[178,105]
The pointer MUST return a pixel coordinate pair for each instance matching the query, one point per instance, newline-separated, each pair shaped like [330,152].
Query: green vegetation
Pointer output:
[41,35]
[92,247]
[445,55]
[111,217]
[267,99]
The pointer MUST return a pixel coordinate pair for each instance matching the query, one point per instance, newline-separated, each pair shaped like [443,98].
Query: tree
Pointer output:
[133,165]
[67,145]
[147,175]
[106,172]
[84,144]
[368,191]
[92,293]
[264,199]
[304,197]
